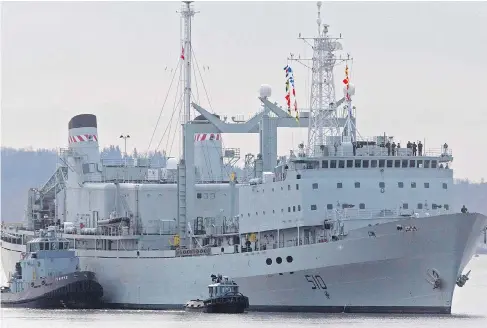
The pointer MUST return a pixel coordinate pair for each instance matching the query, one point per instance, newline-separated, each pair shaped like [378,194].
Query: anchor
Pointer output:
[434,278]
[462,280]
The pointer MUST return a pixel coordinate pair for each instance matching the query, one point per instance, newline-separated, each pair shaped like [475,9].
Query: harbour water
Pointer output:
[469,311]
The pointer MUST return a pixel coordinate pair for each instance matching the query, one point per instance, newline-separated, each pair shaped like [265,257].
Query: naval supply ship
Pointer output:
[344,223]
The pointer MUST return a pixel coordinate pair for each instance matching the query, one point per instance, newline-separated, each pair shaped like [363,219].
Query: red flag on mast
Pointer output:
[182,53]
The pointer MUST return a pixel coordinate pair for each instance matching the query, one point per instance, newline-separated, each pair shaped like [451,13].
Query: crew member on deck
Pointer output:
[414,148]
[354,145]
[464,209]
[420,148]
[388,146]
[445,148]
[393,148]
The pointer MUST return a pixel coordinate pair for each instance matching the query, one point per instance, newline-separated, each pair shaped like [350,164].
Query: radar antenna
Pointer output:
[324,128]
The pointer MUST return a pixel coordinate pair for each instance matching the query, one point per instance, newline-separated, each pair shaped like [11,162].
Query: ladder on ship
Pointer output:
[182,202]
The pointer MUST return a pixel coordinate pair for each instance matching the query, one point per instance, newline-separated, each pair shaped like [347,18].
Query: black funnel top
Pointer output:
[83,121]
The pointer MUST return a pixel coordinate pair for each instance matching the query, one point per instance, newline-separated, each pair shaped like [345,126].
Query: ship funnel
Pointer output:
[83,140]
[208,156]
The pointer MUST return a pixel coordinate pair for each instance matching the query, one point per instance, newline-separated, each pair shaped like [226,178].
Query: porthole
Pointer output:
[289,259]
[268,261]
[278,260]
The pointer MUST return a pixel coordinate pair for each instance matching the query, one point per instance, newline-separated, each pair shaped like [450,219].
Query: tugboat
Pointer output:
[48,276]
[224,297]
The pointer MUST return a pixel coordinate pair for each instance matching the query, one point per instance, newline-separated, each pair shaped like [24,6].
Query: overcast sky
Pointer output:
[419,69]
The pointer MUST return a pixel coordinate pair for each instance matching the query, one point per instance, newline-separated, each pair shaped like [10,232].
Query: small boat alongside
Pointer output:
[224,297]
[48,276]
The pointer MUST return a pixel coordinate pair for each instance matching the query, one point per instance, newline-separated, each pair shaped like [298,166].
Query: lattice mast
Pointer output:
[324,128]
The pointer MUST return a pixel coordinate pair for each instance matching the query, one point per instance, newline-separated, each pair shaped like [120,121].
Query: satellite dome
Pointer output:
[351,90]
[172,164]
[265,91]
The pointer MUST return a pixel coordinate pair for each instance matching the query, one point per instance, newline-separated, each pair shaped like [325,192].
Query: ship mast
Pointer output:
[186,178]
[187,14]
[324,128]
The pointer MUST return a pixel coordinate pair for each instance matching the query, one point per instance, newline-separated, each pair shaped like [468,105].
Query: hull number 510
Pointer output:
[316,281]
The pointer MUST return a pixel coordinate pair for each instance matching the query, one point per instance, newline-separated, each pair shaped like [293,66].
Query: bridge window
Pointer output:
[358,163]
[412,163]
[313,207]
[41,246]
[434,206]
[426,164]
[333,164]
[373,163]
[198,195]
[339,185]
[324,164]
[357,184]
[365,163]
[299,207]
[341,164]
[420,206]
[294,208]
[46,246]
[297,186]
[289,209]
[382,184]
[404,163]
[426,185]
[382,162]
[329,206]
[61,245]
[434,164]
[361,206]
[315,186]
[397,163]
[419,163]
[446,207]
[288,187]
[389,163]
[400,184]
[349,163]
[405,206]
[445,185]
[413,185]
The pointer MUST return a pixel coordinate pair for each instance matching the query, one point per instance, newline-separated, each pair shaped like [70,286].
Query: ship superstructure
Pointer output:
[318,230]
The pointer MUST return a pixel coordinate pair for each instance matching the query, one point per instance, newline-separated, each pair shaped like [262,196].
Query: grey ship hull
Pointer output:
[74,290]
[386,273]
